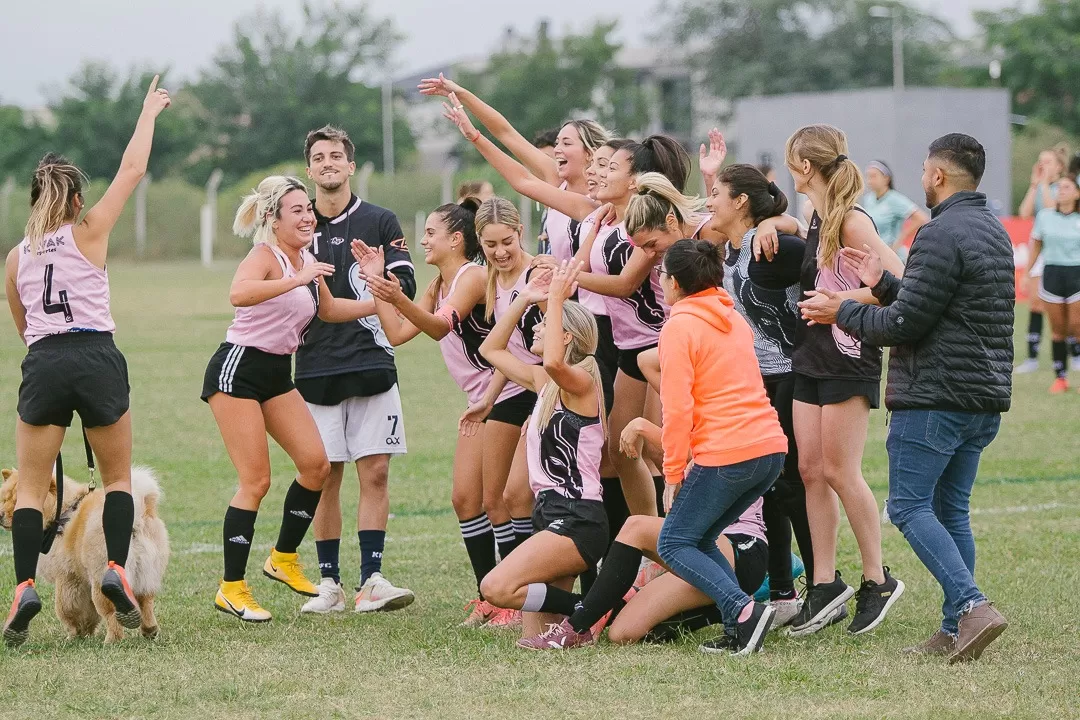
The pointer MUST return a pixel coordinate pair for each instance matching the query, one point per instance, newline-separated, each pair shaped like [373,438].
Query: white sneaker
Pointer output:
[378,594]
[1027,367]
[331,598]
[786,611]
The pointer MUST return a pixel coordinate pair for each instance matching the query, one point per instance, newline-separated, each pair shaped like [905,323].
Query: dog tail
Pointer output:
[146,493]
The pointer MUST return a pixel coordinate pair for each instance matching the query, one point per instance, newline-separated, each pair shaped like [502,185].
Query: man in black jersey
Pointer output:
[346,373]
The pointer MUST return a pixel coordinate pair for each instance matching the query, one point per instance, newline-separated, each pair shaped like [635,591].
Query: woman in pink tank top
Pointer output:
[452,311]
[565,436]
[58,293]
[248,384]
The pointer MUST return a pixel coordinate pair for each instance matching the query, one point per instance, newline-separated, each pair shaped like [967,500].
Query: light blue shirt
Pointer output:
[889,213]
[1039,195]
[1060,237]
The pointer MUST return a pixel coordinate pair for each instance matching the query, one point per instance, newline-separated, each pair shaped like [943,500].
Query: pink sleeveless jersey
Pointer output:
[61,290]
[277,325]
[593,302]
[559,229]
[522,339]
[635,320]
[749,523]
[565,456]
[654,274]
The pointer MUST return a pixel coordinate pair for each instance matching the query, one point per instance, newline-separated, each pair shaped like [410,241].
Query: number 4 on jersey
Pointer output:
[49,306]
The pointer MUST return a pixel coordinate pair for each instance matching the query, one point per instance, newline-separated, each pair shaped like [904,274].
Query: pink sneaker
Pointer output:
[481,612]
[557,637]
[649,572]
[504,619]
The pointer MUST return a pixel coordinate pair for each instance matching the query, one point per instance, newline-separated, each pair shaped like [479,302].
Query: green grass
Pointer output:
[418,663]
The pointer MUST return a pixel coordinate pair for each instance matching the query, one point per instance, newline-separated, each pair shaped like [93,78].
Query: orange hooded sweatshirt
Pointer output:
[715,407]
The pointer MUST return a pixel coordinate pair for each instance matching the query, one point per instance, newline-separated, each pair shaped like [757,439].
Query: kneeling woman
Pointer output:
[248,384]
[564,439]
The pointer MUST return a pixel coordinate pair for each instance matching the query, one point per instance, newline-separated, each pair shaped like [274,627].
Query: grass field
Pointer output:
[418,663]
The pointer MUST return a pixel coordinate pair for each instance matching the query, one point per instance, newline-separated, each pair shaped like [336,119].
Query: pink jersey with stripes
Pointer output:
[521,340]
[593,302]
[749,523]
[635,320]
[61,290]
[565,456]
[277,325]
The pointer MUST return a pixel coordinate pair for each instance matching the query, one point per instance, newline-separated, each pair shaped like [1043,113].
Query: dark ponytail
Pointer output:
[460,217]
[662,154]
[695,264]
[764,198]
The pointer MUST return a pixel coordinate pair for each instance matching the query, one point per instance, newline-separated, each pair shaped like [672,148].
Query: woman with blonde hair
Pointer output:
[248,384]
[58,293]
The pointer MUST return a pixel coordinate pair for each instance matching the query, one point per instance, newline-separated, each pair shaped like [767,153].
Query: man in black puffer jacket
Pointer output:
[950,323]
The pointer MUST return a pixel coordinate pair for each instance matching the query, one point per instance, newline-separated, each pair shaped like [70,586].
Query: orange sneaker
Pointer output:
[115,587]
[26,605]
[504,619]
[480,612]
[1061,385]
[648,572]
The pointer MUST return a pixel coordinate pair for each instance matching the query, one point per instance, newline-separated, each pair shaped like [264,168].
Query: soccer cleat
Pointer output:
[331,598]
[873,601]
[820,605]
[379,594]
[235,598]
[26,605]
[786,611]
[115,587]
[1061,385]
[504,619]
[561,636]
[648,572]
[286,568]
[1027,367]
[479,612]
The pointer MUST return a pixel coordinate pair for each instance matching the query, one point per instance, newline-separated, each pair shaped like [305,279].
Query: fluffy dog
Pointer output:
[77,560]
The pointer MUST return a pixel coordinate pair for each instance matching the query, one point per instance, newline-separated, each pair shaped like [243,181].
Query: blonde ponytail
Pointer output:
[580,352]
[494,211]
[53,189]
[654,200]
[254,217]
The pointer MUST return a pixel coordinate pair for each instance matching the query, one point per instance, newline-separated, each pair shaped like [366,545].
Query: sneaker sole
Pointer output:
[337,608]
[758,638]
[275,578]
[388,605]
[127,612]
[230,613]
[884,611]
[821,620]
[975,648]
[779,622]
[17,630]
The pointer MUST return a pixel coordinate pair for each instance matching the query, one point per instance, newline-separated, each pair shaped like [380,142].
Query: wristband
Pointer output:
[474,138]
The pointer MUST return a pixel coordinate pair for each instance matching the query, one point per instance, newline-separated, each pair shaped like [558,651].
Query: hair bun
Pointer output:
[470,203]
[774,189]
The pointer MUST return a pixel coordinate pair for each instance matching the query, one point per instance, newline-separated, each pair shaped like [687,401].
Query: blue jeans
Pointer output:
[711,498]
[933,460]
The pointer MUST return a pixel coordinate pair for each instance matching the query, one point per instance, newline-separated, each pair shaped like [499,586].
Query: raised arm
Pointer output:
[92,234]
[712,160]
[494,348]
[571,378]
[11,272]
[338,310]
[534,159]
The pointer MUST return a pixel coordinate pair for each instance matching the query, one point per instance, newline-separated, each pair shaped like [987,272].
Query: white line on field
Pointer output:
[1021,508]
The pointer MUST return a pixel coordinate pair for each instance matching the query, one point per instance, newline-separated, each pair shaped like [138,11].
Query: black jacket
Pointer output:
[950,318]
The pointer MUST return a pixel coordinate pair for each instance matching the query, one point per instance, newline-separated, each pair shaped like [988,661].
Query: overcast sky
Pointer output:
[42,44]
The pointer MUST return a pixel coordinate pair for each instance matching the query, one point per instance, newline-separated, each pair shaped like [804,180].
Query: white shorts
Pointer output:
[362,426]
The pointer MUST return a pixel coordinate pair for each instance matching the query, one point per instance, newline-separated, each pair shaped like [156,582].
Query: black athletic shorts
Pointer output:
[247,373]
[751,567]
[514,410]
[607,354]
[1060,284]
[813,391]
[628,362]
[77,372]
[583,521]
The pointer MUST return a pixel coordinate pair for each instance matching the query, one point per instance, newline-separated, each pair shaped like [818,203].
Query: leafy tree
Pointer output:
[22,143]
[278,80]
[1041,58]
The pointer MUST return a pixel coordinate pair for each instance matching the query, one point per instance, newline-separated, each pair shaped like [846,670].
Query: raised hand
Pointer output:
[606,215]
[371,261]
[313,270]
[711,161]
[866,264]
[438,86]
[564,280]
[454,111]
[537,289]
[157,99]
[387,289]
[546,262]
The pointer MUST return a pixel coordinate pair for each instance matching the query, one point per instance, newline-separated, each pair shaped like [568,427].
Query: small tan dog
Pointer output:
[77,559]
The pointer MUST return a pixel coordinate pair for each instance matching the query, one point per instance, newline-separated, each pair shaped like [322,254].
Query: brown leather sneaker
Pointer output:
[940,643]
[978,628]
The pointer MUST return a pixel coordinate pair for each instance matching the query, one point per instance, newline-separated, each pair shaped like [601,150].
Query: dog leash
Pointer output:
[53,530]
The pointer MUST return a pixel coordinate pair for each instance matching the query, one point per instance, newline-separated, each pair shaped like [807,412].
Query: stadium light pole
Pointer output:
[879,11]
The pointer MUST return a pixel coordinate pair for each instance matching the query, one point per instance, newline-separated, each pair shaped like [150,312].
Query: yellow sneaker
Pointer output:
[235,598]
[286,568]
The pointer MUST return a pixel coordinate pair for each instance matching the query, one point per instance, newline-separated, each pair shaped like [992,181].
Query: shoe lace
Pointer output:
[249,600]
[553,629]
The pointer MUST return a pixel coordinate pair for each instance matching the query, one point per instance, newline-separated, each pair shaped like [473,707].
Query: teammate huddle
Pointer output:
[711,360]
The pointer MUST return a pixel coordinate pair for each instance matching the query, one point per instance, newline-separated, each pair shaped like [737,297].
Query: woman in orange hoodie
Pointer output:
[719,422]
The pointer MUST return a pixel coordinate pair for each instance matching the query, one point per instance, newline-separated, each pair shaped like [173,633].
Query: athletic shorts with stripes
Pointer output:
[247,373]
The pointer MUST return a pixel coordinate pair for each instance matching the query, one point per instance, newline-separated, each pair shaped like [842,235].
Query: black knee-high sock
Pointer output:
[587,579]
[614,506]
[778,534]
[1060,354]
[329,553]
[238,532]
[549,599]
[1034,334]
[523,529]
[660,485]
[480,545]
[26,534]
[117,518]
[616,577]
[296,517]
[505,538]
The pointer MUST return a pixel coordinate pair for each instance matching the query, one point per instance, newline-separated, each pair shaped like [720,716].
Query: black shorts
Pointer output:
[628,362]
[514,410]
[247,373]
[1060,284]
[77,372]
[583,521]
[607,354]
[814,391]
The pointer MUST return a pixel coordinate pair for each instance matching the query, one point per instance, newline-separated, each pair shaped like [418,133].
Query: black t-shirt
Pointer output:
[352,359]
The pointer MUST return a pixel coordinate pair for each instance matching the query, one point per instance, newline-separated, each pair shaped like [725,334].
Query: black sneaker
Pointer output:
[721,644]
[26,605]
[820,604]
[750,635]
[873,601]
